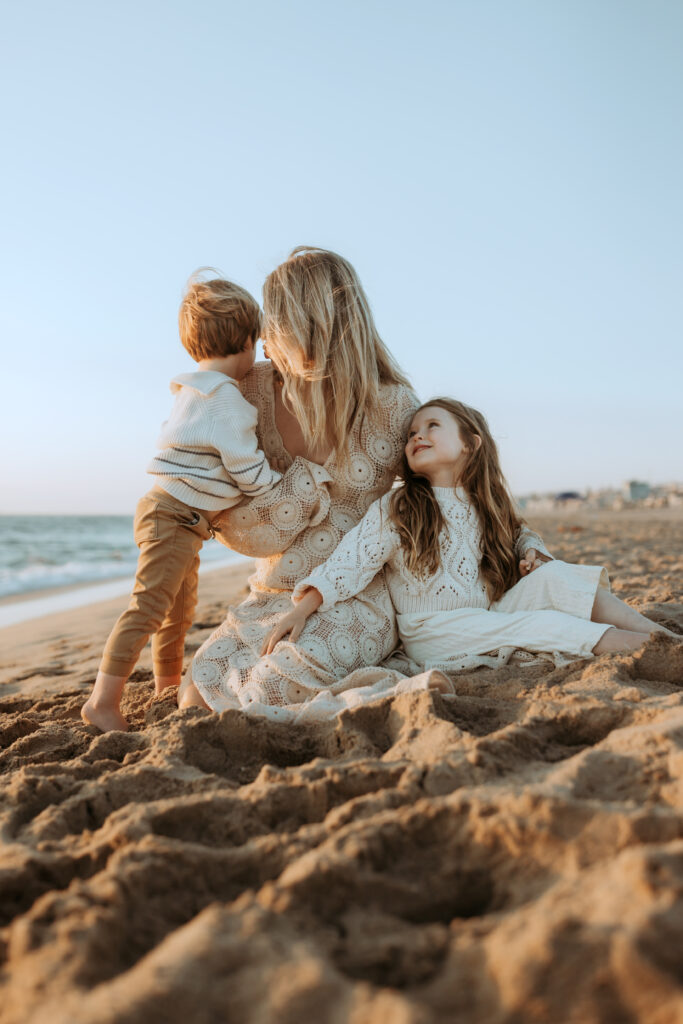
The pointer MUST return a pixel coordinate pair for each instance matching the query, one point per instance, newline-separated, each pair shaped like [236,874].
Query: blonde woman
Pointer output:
[333,406]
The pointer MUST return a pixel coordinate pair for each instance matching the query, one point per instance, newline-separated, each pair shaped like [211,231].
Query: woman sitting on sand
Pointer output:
[336,397]
[448,540]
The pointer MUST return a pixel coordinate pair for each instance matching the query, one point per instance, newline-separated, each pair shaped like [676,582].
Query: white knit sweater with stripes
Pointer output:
[209,456]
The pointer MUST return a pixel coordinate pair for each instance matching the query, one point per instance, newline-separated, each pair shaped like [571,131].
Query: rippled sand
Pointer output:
[513,854]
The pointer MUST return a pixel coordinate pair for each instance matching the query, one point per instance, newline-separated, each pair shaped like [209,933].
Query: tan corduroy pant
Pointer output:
[169,535]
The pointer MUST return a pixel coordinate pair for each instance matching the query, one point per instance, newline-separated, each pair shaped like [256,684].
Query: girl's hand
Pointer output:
[532,560]
[293,622]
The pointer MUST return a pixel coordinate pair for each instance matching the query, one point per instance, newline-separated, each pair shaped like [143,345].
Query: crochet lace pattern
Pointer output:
[290,530]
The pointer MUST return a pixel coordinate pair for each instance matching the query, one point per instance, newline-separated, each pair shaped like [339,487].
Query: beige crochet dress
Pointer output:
[337,661]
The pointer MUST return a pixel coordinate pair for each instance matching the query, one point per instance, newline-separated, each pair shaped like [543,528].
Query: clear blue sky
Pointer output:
[506,177]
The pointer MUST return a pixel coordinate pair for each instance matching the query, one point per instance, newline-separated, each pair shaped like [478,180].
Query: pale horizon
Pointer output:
[539,492]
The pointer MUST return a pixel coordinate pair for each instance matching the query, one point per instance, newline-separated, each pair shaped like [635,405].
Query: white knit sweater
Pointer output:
[375,543]
[209,454]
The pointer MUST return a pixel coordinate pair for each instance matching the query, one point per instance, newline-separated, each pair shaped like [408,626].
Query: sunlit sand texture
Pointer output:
[513,854]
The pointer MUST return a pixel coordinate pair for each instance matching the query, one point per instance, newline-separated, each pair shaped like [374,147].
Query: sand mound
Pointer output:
[511,854]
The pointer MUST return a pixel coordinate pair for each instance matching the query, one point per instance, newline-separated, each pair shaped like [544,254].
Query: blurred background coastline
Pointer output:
[50,563]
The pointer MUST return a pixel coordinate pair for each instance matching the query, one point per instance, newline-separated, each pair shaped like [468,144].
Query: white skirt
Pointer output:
[547,611]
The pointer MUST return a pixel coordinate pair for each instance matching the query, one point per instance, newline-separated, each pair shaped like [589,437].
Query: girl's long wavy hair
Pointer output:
[321,336]
[417,516]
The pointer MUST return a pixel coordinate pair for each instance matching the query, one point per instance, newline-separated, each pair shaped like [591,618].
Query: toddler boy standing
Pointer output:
[209,459]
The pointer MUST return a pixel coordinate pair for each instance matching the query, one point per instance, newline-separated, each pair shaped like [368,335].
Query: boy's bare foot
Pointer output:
[102,706]
[105,718]
[162,683]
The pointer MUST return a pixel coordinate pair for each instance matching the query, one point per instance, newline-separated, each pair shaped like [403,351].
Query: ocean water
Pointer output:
[45,552]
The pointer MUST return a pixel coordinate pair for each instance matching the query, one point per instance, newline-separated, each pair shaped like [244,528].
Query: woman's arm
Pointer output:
[268,523]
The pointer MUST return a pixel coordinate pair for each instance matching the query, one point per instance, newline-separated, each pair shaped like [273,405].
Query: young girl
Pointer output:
[447,540]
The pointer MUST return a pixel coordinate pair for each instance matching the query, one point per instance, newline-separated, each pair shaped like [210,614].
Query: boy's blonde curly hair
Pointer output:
[217,317]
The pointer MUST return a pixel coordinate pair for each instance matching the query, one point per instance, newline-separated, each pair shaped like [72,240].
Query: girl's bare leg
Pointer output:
[189,696]
[619,640]
[609,609]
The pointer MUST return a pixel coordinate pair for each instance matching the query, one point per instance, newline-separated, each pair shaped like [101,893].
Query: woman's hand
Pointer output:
[532,560]
[293,622]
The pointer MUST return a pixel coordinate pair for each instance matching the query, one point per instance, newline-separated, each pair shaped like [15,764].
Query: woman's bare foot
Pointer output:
[105,718]
[162,683]
[440,682]
[189,696]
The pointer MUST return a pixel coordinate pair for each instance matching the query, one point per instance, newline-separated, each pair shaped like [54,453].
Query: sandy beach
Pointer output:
[513,854]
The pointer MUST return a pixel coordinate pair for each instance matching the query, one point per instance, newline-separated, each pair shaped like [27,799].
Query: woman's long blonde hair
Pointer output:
[419,520]
[321,336]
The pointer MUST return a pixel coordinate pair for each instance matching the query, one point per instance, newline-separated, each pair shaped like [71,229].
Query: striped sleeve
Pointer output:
[234,438]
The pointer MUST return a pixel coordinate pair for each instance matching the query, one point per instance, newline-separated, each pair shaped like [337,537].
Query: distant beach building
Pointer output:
[632,493]
[536,503]
[568,499]
[636,490]
[606,498]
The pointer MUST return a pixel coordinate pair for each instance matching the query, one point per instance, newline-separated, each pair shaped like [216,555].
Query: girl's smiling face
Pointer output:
[434,448]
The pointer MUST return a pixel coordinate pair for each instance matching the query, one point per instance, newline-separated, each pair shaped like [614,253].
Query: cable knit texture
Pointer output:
[209,456]
[457,589]
[375,543]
